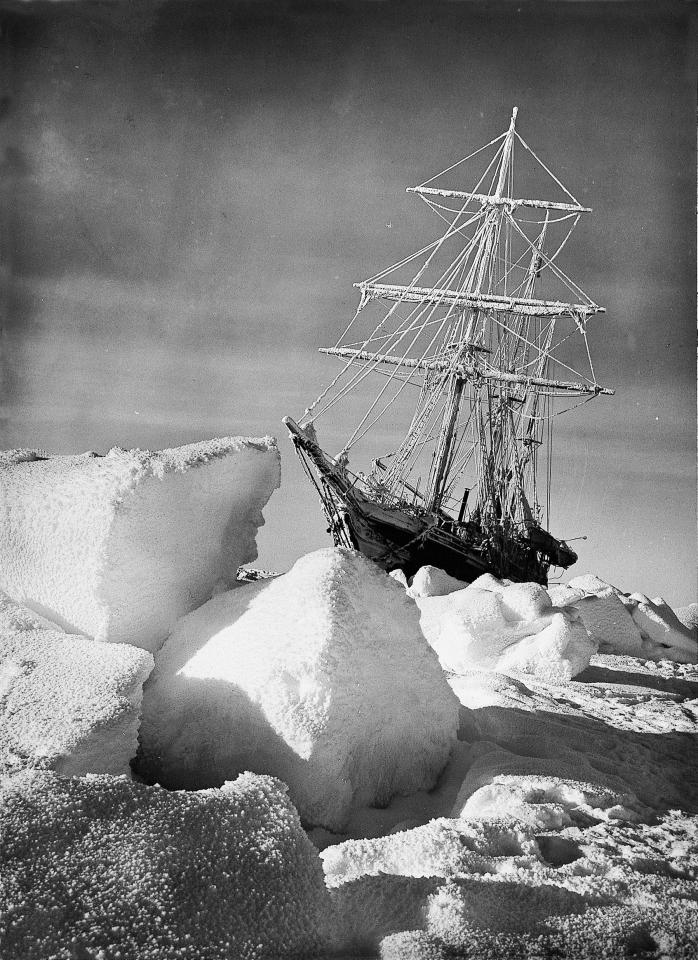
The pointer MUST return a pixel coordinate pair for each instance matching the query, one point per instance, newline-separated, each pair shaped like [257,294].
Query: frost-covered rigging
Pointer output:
[491,333]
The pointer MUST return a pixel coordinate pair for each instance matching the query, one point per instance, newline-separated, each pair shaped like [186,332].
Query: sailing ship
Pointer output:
[471,368]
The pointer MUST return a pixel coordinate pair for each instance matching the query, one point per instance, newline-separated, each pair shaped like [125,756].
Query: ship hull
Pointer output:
[398,535]
[397,540]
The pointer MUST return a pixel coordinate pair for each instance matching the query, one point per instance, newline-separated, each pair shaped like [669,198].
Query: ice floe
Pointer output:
[119,547]
[505,626]
[103,867]
[320,677]
[66,703]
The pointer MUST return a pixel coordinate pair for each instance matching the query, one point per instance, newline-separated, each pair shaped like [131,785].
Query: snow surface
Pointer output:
[66,703]
[562,823]
[562,841]
[119,547]
[320,677]
[102,867]
[505,626]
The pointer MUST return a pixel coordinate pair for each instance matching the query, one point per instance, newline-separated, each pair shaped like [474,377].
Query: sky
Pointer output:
[190,189]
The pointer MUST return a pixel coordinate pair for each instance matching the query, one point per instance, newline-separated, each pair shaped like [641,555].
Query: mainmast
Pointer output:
[443,455]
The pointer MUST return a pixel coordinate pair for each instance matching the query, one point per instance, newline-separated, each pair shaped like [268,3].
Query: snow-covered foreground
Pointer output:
[573,832]
[494,770]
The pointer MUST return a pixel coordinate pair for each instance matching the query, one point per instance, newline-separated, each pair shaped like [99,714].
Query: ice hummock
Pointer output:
[499,625]
[103,867]
[66,703]
[320,677]
[119,547]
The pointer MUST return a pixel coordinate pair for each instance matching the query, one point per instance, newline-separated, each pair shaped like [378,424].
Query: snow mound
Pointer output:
[430,581]
[504,626]
[320,676]
[658,623]
[622,624]
[545,793]
[442,847]
[104,867]
[66,703]
[604,614]
[119,547]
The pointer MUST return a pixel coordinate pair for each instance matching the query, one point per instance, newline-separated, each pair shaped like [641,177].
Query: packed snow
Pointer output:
[561,841]
[119,547]
[66,703]
[320,677]
[505,626]
[103,867]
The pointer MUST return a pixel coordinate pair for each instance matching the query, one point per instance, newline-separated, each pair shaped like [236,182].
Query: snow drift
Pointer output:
[119,547]
[66,703]
[320,677]
[104,867]
[505,626]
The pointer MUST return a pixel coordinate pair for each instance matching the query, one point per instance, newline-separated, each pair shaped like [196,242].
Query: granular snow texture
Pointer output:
[66,703]
[101,867]
[119,547]
[320,677]
[574,835]
[583,892]
[505,626]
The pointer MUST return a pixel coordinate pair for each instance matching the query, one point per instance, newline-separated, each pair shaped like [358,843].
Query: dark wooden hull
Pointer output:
[397,535]
[395,539]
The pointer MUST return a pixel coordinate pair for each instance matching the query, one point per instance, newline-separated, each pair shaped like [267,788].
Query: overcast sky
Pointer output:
[190,189]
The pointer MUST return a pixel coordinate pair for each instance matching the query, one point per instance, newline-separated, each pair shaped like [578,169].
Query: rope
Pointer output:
[469,157]
[534,154]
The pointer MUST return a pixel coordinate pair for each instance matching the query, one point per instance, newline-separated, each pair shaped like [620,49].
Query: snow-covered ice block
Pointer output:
[119,547]
[657,621]
[688,616]
[399,576]
[520,601]
[66,703]
[588,583]
[320,677]
[604,611]
[103,867]
[610,623]
[430,581]
[504,626]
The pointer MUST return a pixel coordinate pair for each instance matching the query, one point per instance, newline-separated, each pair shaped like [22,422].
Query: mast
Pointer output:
[470,333]
[444,451]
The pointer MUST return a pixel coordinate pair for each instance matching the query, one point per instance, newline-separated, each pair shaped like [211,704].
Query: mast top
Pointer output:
[514,113]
